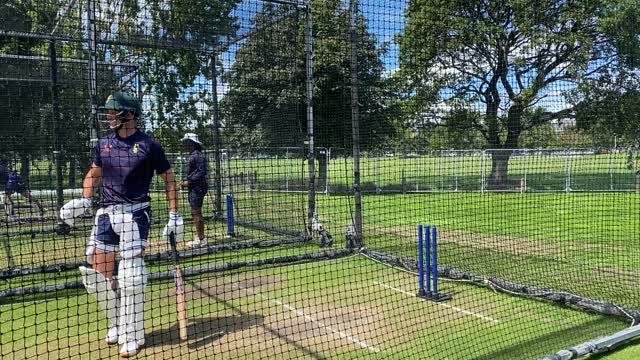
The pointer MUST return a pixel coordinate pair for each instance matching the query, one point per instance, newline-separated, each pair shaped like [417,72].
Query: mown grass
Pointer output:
[584,243]
[343,309]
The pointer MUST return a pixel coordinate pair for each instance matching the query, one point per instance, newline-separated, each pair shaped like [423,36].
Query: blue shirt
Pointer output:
[197,170]
[128,166]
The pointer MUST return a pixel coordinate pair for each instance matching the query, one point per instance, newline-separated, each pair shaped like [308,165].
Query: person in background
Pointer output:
[15,184]
[196,182]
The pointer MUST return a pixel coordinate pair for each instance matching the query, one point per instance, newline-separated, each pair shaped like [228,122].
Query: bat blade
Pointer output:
[180,297]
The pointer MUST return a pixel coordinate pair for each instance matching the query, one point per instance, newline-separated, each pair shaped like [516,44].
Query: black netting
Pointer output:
[319,179]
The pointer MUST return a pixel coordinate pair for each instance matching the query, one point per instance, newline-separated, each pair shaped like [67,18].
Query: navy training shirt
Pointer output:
[197,170]
[128,166]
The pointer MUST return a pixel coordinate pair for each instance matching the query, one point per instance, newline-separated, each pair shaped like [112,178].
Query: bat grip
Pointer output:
[174,250]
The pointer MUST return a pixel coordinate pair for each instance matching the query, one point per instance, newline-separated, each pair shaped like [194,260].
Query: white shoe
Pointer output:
[112,336]
[140,342]
[130,348]
[197,243]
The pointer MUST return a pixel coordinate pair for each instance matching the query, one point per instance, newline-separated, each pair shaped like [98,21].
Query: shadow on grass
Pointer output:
[203,331]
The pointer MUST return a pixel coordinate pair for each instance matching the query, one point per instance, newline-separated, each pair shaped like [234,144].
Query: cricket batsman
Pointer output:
[124,163]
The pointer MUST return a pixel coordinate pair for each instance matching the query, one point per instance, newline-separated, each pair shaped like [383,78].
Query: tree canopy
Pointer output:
[507,59]
[267,81]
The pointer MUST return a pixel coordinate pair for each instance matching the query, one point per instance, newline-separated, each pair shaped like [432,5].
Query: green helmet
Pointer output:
[125,101]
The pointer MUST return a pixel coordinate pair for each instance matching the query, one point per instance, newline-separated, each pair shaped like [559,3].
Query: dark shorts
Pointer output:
[16,186]
[196,198]
[108,230]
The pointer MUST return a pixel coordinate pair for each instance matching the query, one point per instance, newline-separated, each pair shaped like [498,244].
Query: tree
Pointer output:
[179,37]
[267,81]
[176,68]
[610,109]
[504,57]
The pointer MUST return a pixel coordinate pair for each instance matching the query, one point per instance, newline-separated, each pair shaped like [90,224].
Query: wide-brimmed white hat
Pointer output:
[191,136]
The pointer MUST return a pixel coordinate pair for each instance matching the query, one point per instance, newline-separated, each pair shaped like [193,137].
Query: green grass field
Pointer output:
[584,243]
[543,172]
[371,313]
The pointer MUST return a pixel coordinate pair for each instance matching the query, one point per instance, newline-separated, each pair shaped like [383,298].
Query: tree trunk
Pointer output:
[498,180]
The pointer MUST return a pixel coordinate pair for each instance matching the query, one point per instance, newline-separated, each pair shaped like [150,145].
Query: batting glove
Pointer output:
[175,226]
[73,209]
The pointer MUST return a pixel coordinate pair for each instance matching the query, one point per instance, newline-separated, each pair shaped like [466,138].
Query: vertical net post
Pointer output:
[355,125]
[483,171]
[610,155]
[328,155]
[93,72]
[217,143]
[567,187]
[55,111]
[310,135]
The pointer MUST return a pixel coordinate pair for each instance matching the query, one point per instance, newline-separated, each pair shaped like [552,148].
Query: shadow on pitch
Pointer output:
[203,331]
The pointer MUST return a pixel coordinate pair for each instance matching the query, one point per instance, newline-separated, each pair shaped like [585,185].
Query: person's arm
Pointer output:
[172,194]
[91,181]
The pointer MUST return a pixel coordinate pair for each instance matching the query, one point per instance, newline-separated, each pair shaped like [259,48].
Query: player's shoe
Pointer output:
[112,336]
[130,348]
[197,242]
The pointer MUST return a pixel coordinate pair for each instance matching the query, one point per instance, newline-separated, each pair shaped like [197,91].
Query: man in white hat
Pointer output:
[196,182]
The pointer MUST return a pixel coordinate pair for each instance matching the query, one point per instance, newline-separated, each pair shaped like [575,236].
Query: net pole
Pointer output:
[328,155]
[310,134]
[217,143]
[55,111]
[610,171]
[355,123]
[93,71]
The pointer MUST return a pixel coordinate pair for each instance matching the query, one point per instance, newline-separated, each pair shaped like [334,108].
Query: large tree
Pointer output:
[267,81]
[610,107]
[503,58]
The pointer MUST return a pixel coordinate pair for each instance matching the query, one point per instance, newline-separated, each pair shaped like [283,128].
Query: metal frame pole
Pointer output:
[93,72]
[217,141]
[55,112]
[310,135]
[355,122]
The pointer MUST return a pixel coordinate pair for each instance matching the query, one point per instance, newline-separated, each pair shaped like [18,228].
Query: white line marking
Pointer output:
[466,312]
[344,335]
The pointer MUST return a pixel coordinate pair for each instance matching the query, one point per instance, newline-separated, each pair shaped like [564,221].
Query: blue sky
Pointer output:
[386,19]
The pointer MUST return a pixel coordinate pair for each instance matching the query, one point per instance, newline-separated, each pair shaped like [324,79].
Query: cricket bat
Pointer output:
[181,302]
